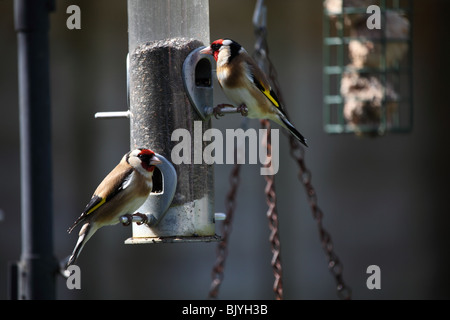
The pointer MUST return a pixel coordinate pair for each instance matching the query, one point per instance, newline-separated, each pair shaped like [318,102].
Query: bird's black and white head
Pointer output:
[143,160]
[223,50]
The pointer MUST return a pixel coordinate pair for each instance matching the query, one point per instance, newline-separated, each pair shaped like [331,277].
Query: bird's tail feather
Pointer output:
[285,123]
[85,233]
[76,223]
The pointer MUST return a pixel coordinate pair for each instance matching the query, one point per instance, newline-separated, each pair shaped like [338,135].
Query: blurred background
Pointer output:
[384,199]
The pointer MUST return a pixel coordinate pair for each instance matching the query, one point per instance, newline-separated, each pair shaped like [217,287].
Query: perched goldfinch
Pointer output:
[122,192]
[246,85]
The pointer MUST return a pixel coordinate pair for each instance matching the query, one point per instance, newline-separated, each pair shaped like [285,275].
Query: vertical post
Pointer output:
[36,271]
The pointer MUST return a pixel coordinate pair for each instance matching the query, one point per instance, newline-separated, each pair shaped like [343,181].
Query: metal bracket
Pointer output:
[113,114]
[119,114]
[158,203]
[197,79]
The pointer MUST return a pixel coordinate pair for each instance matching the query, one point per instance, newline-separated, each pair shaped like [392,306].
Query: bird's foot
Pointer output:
[137,217]
[143,218]
[243,110]
[218,110]
[224,108]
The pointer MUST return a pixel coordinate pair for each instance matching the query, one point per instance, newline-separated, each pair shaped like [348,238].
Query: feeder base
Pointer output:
[214,238]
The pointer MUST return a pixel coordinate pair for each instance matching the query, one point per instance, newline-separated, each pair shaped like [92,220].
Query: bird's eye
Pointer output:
[215,46]
[144,157]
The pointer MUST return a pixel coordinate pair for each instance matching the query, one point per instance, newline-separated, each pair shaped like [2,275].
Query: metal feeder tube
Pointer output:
[158,106]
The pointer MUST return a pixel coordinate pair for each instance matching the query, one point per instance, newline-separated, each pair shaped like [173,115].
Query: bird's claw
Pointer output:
[243,110]
[127,219]
[223,108]
[217,111]
[144,218]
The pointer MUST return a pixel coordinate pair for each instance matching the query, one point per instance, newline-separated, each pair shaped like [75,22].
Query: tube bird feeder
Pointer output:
[162,34]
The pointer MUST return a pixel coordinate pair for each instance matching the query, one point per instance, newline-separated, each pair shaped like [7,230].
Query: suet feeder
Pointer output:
[367,66]
[180,207]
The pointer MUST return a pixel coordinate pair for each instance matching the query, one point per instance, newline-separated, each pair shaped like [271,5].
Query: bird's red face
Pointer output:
[213,49]
[148,159]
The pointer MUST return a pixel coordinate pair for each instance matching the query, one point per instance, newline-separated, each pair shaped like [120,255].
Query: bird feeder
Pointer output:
[367,66]
[164,40]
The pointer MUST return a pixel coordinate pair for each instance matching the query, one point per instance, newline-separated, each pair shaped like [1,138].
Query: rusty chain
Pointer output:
[222,247]
[272,215]
[297,152]
[261,56]
[334,264]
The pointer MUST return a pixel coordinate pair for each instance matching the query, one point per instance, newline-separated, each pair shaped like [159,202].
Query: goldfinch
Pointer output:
[246,85]
[120,193]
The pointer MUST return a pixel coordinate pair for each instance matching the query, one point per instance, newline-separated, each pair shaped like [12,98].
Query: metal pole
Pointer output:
[36,271]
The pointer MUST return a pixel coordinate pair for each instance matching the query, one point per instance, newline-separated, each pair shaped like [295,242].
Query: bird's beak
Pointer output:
[154,161]
[207,50]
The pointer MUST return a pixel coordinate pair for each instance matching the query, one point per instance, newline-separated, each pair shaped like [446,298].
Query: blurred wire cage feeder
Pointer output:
[367,68]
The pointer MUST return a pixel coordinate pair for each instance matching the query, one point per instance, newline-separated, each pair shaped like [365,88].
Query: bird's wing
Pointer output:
[267,91]
[114,182]
[260,81]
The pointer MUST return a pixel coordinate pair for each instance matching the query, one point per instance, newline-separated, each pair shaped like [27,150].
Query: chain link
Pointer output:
[272,215]
[297,152]
[262,58]
[334,264]
[222,247]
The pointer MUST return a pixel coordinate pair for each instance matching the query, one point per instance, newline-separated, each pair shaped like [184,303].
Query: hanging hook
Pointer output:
[260,28]
[260,15]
